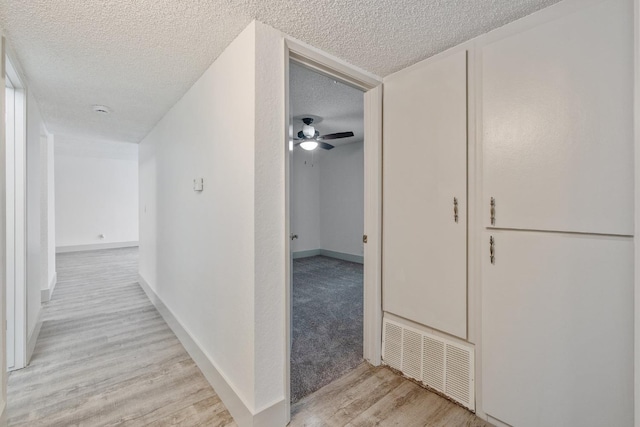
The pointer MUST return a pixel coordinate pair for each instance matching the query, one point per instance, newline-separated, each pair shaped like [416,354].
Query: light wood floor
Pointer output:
[375,396]
[106,357]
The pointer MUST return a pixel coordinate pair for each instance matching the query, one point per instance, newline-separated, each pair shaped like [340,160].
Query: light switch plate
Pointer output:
[198,184]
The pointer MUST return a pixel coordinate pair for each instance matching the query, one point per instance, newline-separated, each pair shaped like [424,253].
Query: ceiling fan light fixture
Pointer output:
[308,131]
[309,145]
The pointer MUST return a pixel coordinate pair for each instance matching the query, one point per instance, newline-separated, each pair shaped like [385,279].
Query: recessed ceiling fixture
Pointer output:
[101,109]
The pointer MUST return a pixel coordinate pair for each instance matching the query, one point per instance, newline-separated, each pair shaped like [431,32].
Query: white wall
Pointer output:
[305,200]
[47,217]
[327,199]
[215,258]
[96,192]
[51,212]
[342,199]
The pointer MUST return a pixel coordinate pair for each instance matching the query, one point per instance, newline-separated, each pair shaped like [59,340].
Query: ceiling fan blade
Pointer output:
[336,135]
[325,145]
[301,135]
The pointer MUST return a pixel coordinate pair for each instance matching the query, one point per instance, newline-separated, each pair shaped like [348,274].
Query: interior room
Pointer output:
[327,225]
[272,213]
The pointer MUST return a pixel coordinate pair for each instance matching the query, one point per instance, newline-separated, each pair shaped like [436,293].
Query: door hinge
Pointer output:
[293,236]
[364,238]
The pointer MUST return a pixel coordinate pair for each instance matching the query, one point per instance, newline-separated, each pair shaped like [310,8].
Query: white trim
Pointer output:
[305,254]
[3,245]
[324,63]
[95,247]
[636,242]
[19,217]
[330,254]
[47,293]
[33,339]
[243,416]
[330,65]
[475,221]
[496,422]
[288,263]
[373,148]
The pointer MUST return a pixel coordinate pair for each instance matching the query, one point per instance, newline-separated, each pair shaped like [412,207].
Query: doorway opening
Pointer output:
[15,192]
[327,228]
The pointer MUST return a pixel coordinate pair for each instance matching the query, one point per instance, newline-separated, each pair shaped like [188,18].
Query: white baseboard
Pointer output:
[496,422]
[273,415]
[343,256]
[95,247]
[306,254]
[331,254]
[31,343]
[47,293]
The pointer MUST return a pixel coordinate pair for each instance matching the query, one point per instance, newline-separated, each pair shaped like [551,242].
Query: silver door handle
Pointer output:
[493,211]
[492,250]
[455,209]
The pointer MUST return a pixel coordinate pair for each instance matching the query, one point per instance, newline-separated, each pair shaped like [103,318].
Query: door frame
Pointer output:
[636,238]
[14,77]
[335,68]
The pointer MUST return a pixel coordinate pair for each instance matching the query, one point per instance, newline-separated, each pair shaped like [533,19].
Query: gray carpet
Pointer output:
[327,322]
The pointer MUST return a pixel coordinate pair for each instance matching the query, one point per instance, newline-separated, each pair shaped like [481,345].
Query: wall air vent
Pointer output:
[393,340]
[442,364]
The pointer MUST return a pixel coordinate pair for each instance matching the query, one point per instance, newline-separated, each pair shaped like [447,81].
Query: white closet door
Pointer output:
[557,119]
[557,329]
[424,158]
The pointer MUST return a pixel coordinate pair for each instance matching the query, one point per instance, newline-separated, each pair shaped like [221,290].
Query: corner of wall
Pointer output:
[273,415]
[48,291]
[269,224]
[33,338]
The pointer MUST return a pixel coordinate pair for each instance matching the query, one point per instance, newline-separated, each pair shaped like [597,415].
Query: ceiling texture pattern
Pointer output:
[139,57]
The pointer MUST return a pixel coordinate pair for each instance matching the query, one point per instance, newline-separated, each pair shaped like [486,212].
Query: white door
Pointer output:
[557,329]
[557,124]
[425,194]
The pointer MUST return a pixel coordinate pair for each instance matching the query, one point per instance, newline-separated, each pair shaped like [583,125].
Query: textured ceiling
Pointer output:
[139,57]
[340,107]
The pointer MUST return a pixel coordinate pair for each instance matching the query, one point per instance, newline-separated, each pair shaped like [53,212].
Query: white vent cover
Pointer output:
[440,363]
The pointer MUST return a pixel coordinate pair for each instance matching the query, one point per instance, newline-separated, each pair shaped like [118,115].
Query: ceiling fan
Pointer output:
[309,138]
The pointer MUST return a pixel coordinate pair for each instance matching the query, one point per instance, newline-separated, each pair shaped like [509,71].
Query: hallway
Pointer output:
[105,356]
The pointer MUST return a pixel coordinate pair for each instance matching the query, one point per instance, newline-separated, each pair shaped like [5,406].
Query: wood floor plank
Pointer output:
[376,396]
[209,412]
[106,357]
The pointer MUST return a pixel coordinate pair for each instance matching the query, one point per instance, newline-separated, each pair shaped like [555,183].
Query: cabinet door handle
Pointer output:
[493,211]
[492,250]
[455,209]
